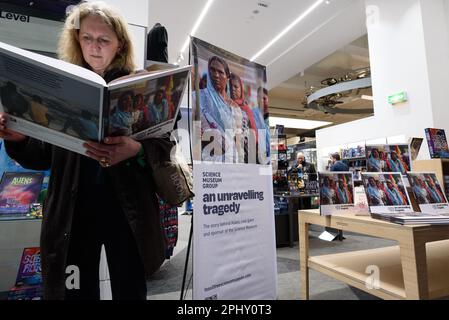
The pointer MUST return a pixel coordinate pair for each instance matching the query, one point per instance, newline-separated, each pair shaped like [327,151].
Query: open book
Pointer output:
[65,104]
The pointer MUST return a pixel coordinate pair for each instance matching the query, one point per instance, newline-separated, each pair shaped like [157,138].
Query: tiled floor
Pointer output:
[167,281]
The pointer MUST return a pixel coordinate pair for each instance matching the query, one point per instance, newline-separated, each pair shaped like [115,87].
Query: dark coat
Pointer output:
[134,189]
[307,167]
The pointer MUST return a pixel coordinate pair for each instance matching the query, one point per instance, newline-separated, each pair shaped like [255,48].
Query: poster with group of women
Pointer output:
[234,255]
[231,106]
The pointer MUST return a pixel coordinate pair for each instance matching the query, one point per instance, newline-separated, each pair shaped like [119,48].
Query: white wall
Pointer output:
[406,55]
[435,23]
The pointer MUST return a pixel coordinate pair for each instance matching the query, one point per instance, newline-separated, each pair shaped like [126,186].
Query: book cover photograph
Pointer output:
[19,190]
[386,193]
[398,158]
[336,192]
[437,142]
[376,157]
[428,192]
[65,104]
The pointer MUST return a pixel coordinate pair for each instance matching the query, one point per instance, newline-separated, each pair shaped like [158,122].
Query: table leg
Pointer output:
[414,268]
[304,258]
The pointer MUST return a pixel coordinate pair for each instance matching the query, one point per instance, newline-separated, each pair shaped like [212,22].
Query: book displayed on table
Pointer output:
[389,200]
[428,193]
[415,146]
[437,142]
[18,191]
[65,104]
[28,284]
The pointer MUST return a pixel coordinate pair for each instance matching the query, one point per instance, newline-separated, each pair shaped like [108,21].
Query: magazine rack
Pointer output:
[415,269]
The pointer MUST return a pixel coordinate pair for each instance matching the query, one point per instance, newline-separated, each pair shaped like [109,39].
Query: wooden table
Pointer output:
[411,270]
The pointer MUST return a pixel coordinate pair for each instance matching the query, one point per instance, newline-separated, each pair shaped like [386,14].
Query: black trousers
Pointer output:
[92,227]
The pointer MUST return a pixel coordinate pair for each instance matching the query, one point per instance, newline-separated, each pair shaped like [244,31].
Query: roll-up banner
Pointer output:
[234,250]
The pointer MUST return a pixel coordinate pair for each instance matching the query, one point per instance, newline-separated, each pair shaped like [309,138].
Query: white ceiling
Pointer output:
[326,43]
[286,98]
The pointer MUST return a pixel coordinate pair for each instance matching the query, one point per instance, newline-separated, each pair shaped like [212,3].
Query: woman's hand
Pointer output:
[113,150]
[8,134]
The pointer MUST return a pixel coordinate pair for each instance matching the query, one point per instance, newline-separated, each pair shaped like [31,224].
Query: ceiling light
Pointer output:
[197,24]
[297,123]
[287,29]
[366,97]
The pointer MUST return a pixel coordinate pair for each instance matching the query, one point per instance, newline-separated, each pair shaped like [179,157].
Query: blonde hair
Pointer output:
[69,48]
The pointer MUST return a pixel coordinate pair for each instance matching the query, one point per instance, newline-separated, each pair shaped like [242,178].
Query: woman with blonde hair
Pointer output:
[107,198]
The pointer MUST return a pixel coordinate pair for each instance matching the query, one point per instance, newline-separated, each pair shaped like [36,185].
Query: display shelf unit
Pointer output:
[415,269]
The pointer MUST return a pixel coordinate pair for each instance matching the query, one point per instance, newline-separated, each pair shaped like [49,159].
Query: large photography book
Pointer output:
[65,104]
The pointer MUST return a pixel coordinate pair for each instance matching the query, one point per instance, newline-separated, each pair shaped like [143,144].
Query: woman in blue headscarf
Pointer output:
[218,109]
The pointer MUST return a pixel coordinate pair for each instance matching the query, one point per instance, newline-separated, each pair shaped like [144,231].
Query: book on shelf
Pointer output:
[18,191]
[415,146]
[65,104]
[437,142]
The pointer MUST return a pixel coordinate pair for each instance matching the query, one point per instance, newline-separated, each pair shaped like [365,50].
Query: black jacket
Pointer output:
[157,44]
[133,188]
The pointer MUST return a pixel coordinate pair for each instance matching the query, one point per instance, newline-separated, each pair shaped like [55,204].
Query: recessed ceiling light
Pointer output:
[287,29]
[197,24]
[297,123]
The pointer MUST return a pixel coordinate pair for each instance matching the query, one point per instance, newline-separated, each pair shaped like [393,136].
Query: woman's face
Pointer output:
[218,75]
[236,89]
[98,42]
